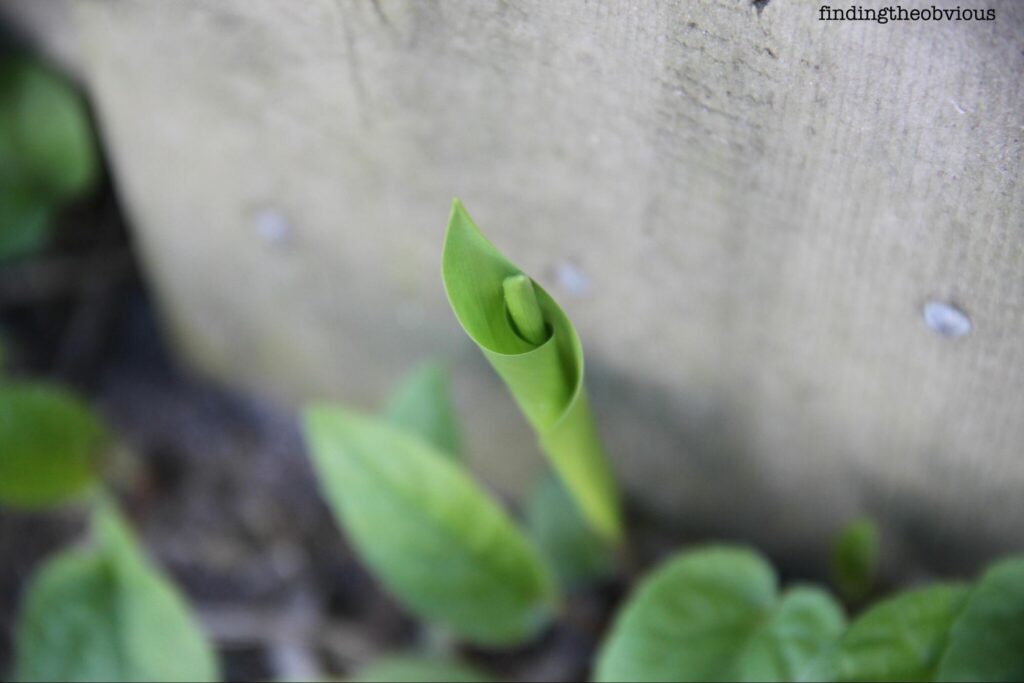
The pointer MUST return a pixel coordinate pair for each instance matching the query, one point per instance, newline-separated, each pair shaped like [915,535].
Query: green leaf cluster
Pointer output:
[715,614]
[47,153]
[102,613]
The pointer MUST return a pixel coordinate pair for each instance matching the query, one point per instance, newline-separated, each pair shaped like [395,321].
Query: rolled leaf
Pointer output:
[716,615]
[106,614]
[492,299]
[427,531]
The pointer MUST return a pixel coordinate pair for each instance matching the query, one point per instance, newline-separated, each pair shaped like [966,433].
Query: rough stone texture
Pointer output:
[743,211]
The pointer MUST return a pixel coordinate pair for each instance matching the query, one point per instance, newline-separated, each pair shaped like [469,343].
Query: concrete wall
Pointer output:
[744,211]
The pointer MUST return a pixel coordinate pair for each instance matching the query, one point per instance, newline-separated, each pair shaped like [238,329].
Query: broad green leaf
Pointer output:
[423,405]
[107,615]
[546,379]
[799,640]
[902,638]
[419,669]
[47,152]
[854,559]
[49,445]
[986,642]
[573,549]
[428,532]
[715,615]
[46,133]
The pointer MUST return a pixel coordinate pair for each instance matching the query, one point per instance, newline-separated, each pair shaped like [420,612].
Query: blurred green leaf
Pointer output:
[546,380]
[107,615]
[716,615]
[419,669]
[427,530]
[854,559]
[24,226]
[573,549]
[902,638]
[47,152]
[986,642]
[49,445]
[423,405]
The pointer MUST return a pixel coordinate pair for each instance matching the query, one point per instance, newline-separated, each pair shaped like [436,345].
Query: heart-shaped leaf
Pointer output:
[716,615]
[902,638]
[986,643]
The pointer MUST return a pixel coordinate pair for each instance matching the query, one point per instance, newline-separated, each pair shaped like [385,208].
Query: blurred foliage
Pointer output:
[418,669]
[903,638]
[50,444]
[574,550]
[854,560]
[48,153]
[106,614]
[423,405]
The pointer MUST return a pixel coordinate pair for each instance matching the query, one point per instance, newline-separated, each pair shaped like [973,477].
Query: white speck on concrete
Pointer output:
[272,227]
[946,319]
[572,279]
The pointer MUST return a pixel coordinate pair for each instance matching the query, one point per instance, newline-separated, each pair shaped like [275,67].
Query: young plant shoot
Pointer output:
[533,346]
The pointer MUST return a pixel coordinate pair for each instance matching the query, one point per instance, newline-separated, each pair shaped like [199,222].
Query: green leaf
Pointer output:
[546,380]
[428,532]
[854,559]
[986,642]
[24,226]
[47,132]
[106,614]
[49,445]
[419,669]
[903,638]
[423,405]
[715,615]
[47,153]
[572,548]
